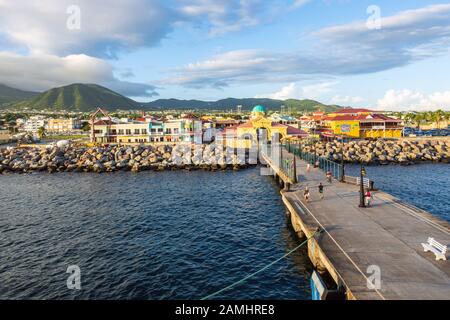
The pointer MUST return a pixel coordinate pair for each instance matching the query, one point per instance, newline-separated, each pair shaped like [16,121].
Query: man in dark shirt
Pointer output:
[321,190]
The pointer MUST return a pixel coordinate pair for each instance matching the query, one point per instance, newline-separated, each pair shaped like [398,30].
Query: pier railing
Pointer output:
[286,166]
[324,163]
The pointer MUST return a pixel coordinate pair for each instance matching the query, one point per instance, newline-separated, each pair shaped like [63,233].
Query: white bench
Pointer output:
[438,249]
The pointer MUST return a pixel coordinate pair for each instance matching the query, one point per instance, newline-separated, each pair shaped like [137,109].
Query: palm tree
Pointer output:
[438,116]
[418,118]
[446,118]
[407,118]
[41,132]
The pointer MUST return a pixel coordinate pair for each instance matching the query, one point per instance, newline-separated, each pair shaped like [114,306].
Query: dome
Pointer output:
[259,108]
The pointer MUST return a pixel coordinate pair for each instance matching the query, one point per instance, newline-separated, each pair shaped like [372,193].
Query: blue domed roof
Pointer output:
[259,108]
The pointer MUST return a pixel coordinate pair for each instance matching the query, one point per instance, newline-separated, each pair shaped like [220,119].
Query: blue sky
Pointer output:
[329,50]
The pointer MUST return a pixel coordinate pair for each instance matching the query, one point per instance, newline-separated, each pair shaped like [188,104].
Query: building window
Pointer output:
[176,130]
[152,130]
[121,131]
[128,131]
[168,131]
[144,131]
[160,129]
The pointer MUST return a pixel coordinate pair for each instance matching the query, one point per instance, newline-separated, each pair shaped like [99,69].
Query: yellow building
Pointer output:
[108,131]
[260,127]
[131,132]
[363,123]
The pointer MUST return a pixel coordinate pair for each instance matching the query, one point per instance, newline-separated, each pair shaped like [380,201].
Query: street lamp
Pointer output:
[342,160]
[362,173]
[295,170]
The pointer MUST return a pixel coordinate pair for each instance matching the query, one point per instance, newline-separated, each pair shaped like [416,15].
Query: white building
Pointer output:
[34,123]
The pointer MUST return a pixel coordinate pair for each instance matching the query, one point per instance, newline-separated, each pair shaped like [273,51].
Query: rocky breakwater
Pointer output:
[384,151]
[114,158]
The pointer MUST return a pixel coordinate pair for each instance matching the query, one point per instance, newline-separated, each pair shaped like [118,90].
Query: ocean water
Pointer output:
[426,186]
[168,235]
[151,235]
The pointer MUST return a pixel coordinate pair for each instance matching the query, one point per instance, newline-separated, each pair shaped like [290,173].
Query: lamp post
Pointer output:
[295,170]
[362,173]
[342,160]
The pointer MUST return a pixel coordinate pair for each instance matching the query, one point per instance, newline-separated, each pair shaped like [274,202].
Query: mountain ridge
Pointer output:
[78,97]
[86,97]
[9,94]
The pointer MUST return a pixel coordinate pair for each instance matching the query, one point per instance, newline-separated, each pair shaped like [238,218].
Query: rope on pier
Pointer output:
[262,269]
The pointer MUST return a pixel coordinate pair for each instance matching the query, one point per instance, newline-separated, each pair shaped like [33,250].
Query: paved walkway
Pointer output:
[388,234]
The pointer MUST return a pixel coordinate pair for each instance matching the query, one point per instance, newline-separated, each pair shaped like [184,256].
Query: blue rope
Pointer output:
[260,270]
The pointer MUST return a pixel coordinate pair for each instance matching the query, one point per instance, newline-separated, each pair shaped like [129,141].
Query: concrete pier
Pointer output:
[357,243]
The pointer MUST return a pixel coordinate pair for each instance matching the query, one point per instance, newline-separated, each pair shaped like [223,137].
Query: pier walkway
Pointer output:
[386,236]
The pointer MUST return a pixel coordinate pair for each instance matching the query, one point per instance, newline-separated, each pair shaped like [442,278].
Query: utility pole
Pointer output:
[342,161]
[295,170]
[362,173]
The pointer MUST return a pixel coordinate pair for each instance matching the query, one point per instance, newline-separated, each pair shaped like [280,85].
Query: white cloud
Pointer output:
[41,26]
[348,49]
[346,100]
[294,91]
[404,100]
[108,28]
[316,91]
[287,92]
[223,16]
[299,3]
[39,72]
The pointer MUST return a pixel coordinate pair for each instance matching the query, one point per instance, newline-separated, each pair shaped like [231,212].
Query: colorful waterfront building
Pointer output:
[260,125]
[33,123]
[285,119]
[186,129]
[362,123]
[63,125]
[145,130]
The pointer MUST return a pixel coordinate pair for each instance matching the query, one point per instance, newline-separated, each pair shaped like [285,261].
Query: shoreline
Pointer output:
[383,152]
[72,158]
[68,157]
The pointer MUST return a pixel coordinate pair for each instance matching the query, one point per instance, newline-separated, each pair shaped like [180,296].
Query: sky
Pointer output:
[380,54]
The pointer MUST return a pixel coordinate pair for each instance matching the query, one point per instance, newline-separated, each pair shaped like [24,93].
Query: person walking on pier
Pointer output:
[328,175]
[368,197]
[306,194]
[321,191]
[308,167]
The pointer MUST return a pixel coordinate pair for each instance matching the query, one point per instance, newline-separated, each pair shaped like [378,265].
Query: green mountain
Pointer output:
[79,97]
[247,104]
[178,104]
[9,95]
[309,105]
[86,97]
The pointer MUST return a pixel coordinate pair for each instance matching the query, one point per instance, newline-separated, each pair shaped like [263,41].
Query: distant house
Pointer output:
[34,123]
[63,125]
